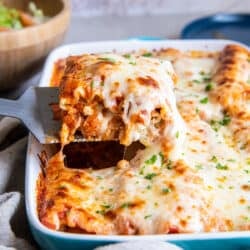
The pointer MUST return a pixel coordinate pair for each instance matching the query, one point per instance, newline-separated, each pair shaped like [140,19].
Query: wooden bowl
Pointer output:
[21,49]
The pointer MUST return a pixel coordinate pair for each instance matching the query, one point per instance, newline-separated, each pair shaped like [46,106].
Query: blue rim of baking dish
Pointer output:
[213,26]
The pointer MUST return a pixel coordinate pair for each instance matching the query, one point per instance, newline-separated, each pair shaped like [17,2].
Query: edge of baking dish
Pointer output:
[49,239]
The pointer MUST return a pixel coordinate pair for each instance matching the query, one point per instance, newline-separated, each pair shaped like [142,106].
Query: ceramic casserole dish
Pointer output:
[50,239]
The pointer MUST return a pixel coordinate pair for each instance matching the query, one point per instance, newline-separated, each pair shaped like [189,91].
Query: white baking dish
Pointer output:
[49,239]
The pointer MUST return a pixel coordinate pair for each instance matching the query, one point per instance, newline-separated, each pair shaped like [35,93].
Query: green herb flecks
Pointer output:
[141,172]
[151,160]
[225,121]
[108,59]
[147,54]
[177,134]
[196,81]
[246,218]
[221,167]
[128,56]
[209,87]
[169,165]
[215,125]
[205,76]
[161,158]
[204,100]
[199,166]
[104,210]
[214,159]
[150,176]
[126,205]
[166,190]
[132,63]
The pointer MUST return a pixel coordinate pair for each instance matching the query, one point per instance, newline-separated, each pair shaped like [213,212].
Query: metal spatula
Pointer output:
[33,109]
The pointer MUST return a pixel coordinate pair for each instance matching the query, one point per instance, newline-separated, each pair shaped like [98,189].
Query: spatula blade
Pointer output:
[46,97]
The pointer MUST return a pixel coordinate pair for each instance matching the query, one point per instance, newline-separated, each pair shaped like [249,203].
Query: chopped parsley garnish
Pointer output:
[128,56]
[150,176]
[204,100]
[198,166]
[166,190]
[161,157]
[196,81]
[169,165]
[99,177]
[177,134]
[225,121]
[246,218]
[132,63]
[107,206]
[100,212]
[247,171]
[207,78]
[142,170]
[209,87]
[221,167]
[105,209]
[126,205]
[214,159]
[147,216]
[110,189]
[151,160]
[148,54]
[148,187]
[215,125]
[108,59]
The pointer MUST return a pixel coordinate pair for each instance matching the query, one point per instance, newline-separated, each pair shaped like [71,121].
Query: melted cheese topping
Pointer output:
[204,187]
[134,96]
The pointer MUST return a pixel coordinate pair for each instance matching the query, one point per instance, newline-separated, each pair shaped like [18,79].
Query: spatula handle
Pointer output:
[10,108]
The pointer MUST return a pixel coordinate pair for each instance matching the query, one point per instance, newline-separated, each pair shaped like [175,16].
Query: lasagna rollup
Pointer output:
[232,75]
[109,96]
[233,90]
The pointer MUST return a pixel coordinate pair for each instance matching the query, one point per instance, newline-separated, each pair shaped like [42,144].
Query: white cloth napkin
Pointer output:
[14,230]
